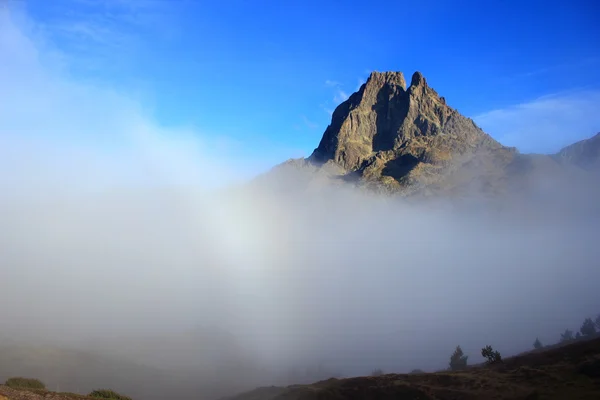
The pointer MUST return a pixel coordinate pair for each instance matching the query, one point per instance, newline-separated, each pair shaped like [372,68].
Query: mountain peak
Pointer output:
[391,78]
[409,140]
[395,78]
[385,130]
[417,79]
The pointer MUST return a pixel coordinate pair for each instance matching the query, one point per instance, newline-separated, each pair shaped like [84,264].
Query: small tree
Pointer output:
[377,372]
[567,336]
[492,356]
[598,322]
[537,344]
[108,394]
[588,327]
[458,360]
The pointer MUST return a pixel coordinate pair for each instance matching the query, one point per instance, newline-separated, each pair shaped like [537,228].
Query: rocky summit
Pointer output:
[409,140]
[403,137]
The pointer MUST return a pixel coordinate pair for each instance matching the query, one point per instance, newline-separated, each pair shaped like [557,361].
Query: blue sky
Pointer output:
[263,76]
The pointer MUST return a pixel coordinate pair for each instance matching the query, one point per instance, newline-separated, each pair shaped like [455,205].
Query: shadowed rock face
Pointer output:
[401,136]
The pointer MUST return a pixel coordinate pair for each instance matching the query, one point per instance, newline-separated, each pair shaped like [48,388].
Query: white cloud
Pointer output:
[58,130]
[360,81]
[546,124]
[340,96]
[327,109]
[564,67]
[310,124]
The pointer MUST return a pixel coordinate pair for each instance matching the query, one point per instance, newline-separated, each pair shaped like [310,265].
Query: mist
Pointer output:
[117,230]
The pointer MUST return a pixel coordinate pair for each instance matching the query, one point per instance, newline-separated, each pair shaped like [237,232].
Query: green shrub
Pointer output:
[108,394]
[458,360]
[25,383]
[493,357]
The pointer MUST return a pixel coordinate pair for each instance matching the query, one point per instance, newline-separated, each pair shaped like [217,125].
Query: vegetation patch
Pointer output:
[25,383]
[493,356]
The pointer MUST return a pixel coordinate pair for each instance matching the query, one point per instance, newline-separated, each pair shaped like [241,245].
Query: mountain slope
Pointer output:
[567,372]
[584,154]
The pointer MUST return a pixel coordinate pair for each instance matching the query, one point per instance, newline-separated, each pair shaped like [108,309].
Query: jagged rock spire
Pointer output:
[387,129]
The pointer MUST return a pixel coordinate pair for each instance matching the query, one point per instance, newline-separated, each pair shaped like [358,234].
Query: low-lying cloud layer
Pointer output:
[112,228]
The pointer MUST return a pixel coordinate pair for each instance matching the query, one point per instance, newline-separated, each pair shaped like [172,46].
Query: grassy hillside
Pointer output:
[571,371]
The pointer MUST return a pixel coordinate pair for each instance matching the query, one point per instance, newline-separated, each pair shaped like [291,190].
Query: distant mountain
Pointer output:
[584,154]
[409,140]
